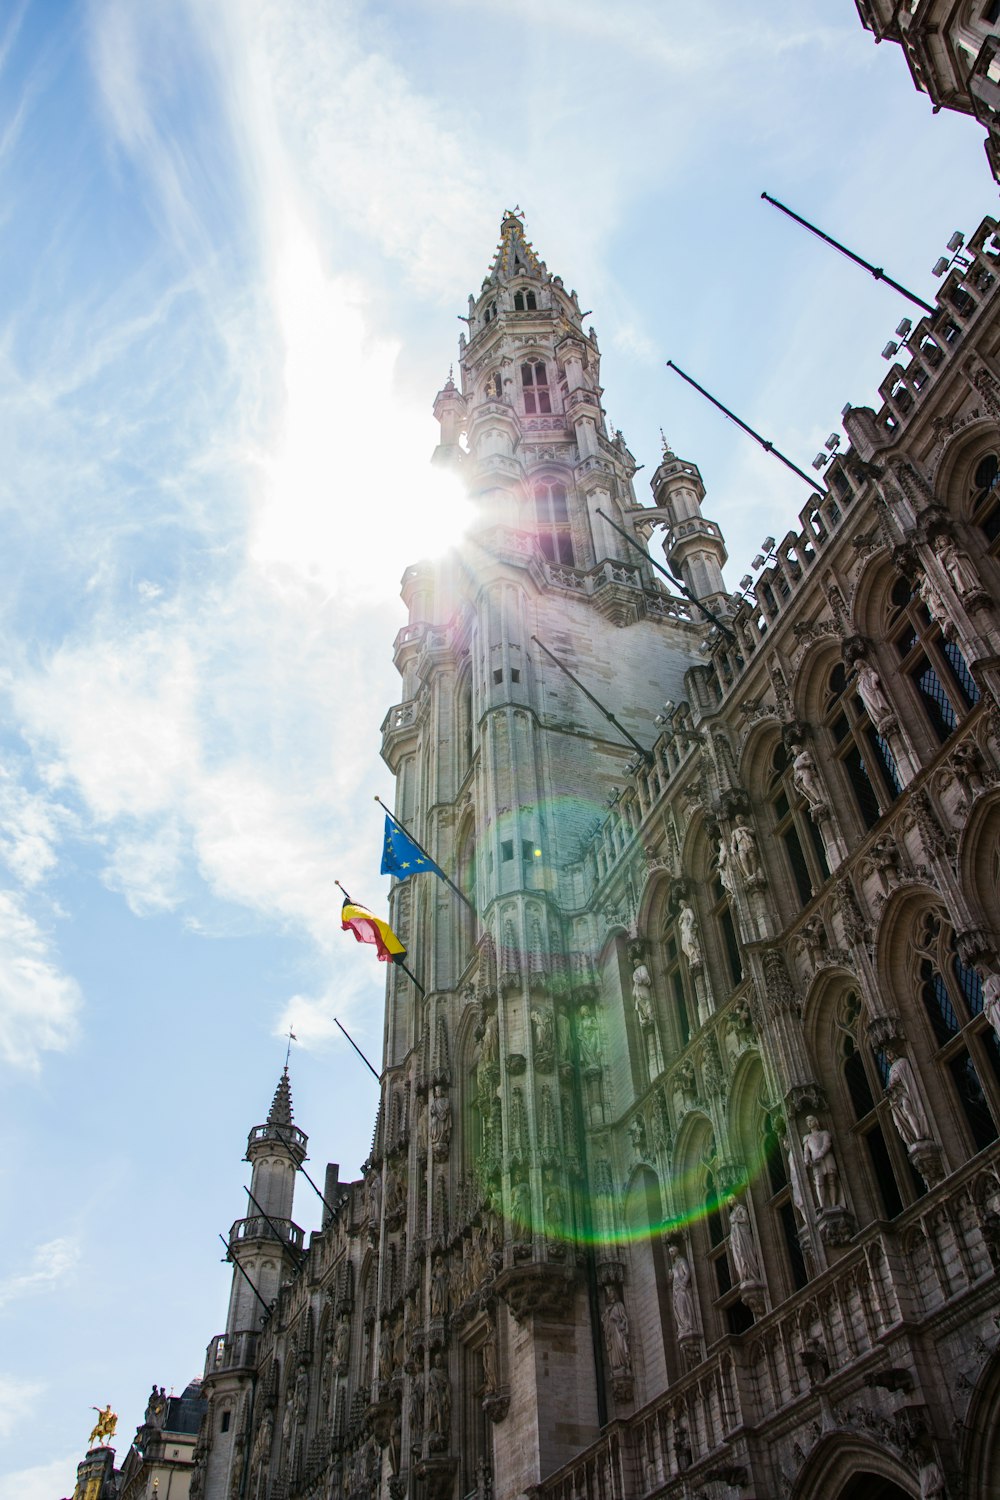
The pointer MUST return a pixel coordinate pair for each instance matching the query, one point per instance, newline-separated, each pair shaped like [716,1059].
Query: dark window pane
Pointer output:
[857,1084]
[683,1024]
[864,792]
[960,671]
[970,984]
[935,700]
[973,1100]
[723,1279]
[939,1008]
[818,847]
[797,860]
[892,1203]
[883,756]
[732,946]
[739,1317]
[792,1246]
[506,849]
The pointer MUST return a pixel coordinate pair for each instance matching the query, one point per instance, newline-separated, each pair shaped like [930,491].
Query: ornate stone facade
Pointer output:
[686,1176]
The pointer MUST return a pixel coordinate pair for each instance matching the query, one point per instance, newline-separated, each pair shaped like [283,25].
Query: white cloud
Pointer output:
[17,1398]
[39,1005]
[52,1262]
[41,1481]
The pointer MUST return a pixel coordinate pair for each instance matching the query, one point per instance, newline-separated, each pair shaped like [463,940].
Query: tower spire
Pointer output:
[280,1112]
[514,255]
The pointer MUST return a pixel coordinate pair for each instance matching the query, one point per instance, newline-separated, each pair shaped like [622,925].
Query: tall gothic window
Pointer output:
[724,921]
[863,753]
[535,385]
[985,499]
[677,999]
[794,830]
[524,302]
[966,1048]
[779,1201]
[552,521]
[865,1072]
[936,668]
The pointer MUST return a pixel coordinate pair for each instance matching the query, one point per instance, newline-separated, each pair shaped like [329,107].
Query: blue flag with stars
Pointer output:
[400,855]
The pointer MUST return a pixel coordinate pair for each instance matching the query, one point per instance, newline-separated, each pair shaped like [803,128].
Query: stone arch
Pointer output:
[979,1454]
[647,1295]
[959,457]
[809,684]
[871,595]
[844,1466]
[979,862]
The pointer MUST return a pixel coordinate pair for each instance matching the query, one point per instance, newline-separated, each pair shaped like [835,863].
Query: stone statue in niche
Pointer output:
[933,602]
[438,1411]
[724,866]
[542,1038]
[876,704]
[806,778]
[416,1410]
[439,1288]
[642,995]
[342,1345]
[741,1243]
[682,1296]
[991,1002]
[746,853]
[617,1335]
[589,1036]
[440,1122]
[637,1135]
[907,1111]
[687,927]
[958,567]
[520,1212]
[818,1154]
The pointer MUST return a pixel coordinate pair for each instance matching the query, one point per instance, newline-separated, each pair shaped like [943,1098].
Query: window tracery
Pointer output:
[934,666]
[535,388]
[861,750]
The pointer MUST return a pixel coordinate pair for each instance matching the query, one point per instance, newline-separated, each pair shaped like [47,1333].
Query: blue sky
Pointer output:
[235,238]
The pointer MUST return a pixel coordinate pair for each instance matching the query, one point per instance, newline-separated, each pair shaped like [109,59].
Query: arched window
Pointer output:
[936,668]
[723,918]
[984,499]
[535,385]
[490,313]
[864,1073]
[524,302]
[676,980]
[794,830]
[494,387]
[964,1043]
[552,521]
[863,753]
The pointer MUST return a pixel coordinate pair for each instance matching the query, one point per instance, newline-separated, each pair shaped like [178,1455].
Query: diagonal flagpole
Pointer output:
[397,961]
[403,829]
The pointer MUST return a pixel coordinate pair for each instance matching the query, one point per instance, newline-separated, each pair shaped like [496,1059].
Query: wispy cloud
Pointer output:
[17,1398]
[51,1263]
[39,1004]
[41,1481]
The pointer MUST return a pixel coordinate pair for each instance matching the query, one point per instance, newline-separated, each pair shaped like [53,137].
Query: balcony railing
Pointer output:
[231,1351]
[271,1228]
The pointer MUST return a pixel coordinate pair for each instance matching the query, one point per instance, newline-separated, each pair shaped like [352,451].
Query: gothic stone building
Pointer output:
[685,1175]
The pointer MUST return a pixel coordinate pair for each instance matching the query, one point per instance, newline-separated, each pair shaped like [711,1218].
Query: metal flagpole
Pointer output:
[859,260]
[765,443]
[246,1278]
[397,961]
[403,829]
[300,1168]
[669,576]
[357,1050]
[596,702]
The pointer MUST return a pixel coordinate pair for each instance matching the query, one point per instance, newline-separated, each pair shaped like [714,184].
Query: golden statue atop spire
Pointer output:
[104,1427]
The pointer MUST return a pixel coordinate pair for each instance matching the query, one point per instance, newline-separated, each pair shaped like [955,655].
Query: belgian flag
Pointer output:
[368,928]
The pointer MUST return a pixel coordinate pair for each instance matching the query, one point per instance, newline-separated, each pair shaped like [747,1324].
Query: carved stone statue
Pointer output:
[374,1196]
[156,1407]
[907,1111]
[687,926]
[687,1083]
[957,566]
[741,1244]
[439,1288]
[541,1036]
[104,1427]
[932,600]
[637,1135]
[616,1334]
[817,1152]
[991,1002]
[385,1351]
[589,1033]
[932,1486]
[746,852]
[440,1122]
[563,1037]
[263,1438]
[342,1345]
[642,994]
[682,1297]
[439,1402]
[490,1373]
[877,705]
[301,1395]
[723,864]
[416,1410]
[806,778]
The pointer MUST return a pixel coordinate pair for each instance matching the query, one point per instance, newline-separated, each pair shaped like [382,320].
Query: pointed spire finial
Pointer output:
[280,1112]
[668,452]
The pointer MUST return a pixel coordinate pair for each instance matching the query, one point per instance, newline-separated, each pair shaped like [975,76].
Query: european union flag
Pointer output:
[400,855]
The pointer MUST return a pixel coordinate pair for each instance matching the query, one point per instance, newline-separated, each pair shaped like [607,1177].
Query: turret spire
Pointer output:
[514,254]
[280,1112]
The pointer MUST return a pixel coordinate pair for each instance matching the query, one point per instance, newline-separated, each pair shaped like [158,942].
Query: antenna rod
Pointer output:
[246,1278]
[765,443]
[403,829]
[647,757]
[858,260]
[360,1053]
[669,576]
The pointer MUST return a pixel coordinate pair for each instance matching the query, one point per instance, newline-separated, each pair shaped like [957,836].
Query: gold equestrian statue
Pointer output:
[104,1427]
